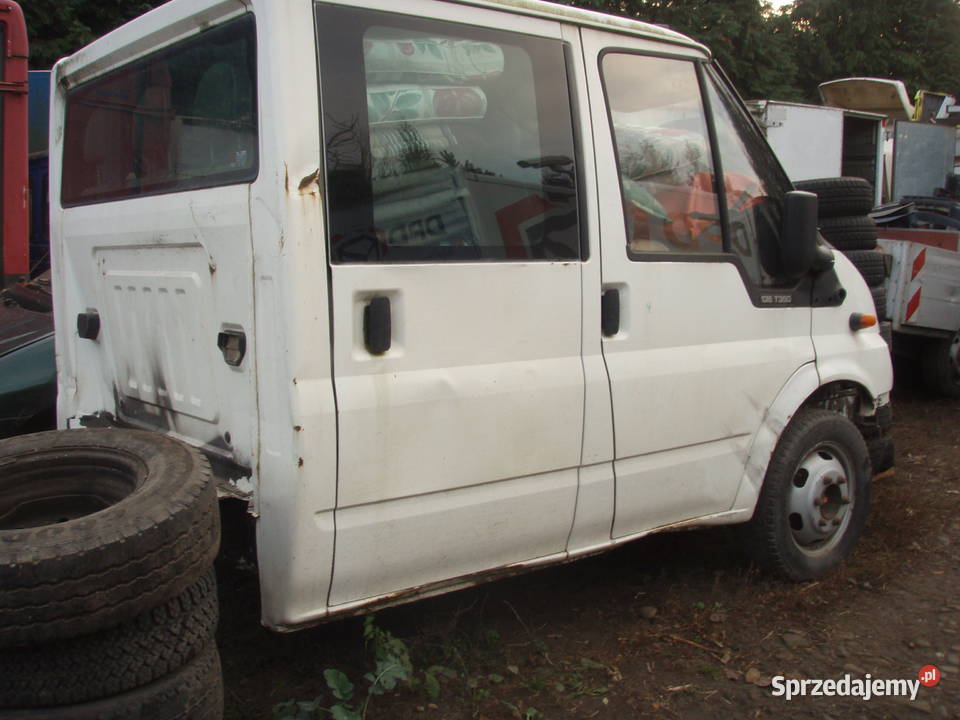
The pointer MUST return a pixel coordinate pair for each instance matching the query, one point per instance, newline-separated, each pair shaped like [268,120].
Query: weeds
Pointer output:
[392,668]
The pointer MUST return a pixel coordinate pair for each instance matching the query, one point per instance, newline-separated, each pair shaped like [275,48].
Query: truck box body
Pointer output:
[812,141]
[924,281]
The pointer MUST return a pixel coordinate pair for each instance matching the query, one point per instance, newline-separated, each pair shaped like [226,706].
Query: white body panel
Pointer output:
[689,386]
[861,357]
[793,132]
[809,140]
[501,430]
[923,290]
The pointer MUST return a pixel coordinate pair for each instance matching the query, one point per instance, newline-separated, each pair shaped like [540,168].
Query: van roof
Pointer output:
[591,18]
[170,21]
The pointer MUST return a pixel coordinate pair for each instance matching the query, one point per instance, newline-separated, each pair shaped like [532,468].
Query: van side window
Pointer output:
[182,118]
[663,152]
[445,141]
[753,184]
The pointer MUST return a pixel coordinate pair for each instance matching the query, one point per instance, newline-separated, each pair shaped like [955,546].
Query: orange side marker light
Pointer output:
[860,321]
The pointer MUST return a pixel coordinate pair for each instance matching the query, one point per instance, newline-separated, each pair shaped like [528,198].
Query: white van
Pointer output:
[450,289]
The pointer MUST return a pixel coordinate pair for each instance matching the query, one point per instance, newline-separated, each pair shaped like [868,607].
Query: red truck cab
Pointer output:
[14,204]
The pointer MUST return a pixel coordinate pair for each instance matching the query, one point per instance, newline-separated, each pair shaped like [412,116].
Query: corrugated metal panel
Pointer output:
[922,158]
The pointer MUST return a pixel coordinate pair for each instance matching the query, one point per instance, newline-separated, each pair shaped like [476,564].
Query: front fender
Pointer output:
[801,385]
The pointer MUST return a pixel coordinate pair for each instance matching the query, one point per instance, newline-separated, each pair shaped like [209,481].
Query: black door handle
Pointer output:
[610,312]
[233,345]
[377,329]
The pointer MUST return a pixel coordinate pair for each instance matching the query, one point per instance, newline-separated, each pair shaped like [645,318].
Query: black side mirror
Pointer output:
[800,249]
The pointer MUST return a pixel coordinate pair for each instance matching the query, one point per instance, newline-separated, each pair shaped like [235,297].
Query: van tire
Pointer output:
[816,450]
[839,196]
[138,526]
[194,692]
[850,233]
[116,660]
[870,264]
[940,366]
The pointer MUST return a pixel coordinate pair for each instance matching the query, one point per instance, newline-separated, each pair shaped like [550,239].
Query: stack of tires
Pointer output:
[843,206]
[108,601]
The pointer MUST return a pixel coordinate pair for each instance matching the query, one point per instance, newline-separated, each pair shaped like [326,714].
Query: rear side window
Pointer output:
[445,141]
[182,118]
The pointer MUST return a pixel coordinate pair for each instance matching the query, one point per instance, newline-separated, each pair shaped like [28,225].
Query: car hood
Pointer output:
[19,327]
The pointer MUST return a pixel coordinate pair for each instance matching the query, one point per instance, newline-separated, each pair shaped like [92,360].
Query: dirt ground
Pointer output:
[675,626]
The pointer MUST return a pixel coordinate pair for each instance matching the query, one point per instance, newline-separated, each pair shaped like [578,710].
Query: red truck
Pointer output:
[14,202]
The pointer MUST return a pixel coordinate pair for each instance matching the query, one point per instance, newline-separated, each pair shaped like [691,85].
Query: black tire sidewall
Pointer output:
[850,233]
[114,661]
[870,265]
[772,539]
[840,196]
[937,370]
[77,577]
[195,691]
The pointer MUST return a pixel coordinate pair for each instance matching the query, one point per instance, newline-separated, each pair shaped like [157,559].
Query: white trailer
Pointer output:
[812,141]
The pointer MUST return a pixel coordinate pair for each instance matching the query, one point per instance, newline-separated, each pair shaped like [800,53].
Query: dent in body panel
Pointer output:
[794,392]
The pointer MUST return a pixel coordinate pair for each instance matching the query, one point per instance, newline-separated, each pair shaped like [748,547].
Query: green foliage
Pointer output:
[785,54]
[742,34]
[297,710]
[59,27]
[392,668]
[780,54]
[339,684]
[914,42]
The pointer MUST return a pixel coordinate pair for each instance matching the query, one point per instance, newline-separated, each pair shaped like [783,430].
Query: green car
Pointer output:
[28,371]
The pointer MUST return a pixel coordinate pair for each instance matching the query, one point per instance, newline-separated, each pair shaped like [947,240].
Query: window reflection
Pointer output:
[460,145]
[666,170]
[180,119]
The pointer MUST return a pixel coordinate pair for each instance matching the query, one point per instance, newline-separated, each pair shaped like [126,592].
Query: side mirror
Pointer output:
[800,249]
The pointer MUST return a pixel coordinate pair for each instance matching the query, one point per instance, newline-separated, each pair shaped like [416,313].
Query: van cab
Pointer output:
[447,290]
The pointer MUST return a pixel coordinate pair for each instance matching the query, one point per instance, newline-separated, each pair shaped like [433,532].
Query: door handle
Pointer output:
[233,344]
[377,329]
[610,312]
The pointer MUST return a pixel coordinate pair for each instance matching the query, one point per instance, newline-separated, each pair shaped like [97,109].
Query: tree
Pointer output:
[767,53]
[59,27]
[743,34]
[914,42]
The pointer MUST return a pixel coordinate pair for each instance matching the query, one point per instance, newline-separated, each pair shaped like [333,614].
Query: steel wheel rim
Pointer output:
[820,500]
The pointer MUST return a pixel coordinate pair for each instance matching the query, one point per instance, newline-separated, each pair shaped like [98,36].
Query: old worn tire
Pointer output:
[886,332]
[194,692]
[940,366]
[817,449]
[840,196]
[850,233]
[882,453]
[113,661]
[870,264]
[879,293]
[96,527]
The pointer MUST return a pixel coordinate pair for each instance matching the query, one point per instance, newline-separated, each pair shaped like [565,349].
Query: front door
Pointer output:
[455,278]
[706,333]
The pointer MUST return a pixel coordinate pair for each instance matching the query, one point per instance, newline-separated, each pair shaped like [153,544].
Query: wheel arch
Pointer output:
[846,396]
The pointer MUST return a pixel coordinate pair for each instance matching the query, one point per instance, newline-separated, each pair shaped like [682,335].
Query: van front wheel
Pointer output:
[815,497]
